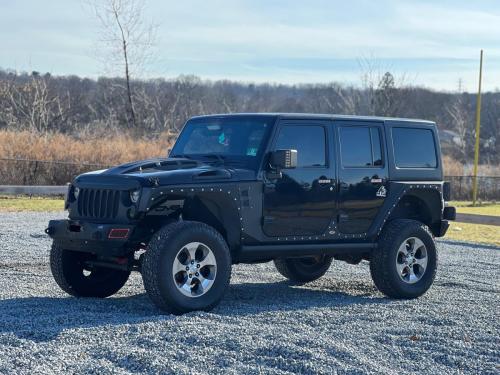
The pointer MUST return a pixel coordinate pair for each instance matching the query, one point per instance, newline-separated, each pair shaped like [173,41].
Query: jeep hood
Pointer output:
[161,172]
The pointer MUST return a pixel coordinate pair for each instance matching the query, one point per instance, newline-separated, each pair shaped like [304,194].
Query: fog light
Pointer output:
[135,195]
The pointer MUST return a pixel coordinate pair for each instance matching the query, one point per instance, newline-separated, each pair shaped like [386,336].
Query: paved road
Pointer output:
[338,324]
[479,219]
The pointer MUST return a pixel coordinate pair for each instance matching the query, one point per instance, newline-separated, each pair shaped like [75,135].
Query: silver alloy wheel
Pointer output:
[411,260]
[194,269]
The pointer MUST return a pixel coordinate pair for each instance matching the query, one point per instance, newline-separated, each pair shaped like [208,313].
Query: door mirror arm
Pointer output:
[279,160]
[273,173]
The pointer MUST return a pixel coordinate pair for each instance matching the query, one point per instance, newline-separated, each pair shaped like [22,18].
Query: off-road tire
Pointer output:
[67,268]
[383,263]
[158,261]
[302,270]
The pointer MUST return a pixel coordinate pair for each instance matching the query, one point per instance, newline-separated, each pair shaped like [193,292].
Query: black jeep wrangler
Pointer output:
[299,190]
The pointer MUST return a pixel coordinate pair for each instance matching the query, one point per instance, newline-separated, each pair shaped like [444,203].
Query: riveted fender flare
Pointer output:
[221,200]
[429,192]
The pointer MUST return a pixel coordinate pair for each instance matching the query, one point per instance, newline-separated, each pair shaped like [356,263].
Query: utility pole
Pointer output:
[478,127]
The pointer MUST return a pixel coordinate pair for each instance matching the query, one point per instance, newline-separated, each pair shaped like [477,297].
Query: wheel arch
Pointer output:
[424,205]
[217,211]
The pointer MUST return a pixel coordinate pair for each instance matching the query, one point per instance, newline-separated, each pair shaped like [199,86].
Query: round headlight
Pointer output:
[76,192]
[135,195]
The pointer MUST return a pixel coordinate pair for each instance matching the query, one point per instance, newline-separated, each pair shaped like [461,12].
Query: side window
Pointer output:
[308,140]
[414,148]
[360,147]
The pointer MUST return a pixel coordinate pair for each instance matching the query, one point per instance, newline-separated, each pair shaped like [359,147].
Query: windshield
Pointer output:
[234,141]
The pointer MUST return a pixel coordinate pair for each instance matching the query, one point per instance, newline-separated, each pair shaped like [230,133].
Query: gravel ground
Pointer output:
[338,324]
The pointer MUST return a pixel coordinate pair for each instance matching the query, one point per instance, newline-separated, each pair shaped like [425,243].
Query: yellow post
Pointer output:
[478,126]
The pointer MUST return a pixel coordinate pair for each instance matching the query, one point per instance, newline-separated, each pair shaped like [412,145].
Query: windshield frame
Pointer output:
[241,161]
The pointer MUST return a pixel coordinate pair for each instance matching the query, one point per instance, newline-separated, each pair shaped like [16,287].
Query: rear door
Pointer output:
[362,174]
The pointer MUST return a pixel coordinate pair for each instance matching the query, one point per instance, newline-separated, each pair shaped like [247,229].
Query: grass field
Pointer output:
[488,234]
[483,208]
[35,204]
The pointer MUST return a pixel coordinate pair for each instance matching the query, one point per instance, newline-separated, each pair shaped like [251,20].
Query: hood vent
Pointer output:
[152,166]
[213,174]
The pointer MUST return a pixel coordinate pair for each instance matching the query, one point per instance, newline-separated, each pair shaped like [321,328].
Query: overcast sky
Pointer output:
[434,43]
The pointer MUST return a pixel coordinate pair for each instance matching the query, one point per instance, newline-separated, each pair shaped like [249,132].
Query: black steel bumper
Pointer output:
[442,228]
[92,237]
[449,213]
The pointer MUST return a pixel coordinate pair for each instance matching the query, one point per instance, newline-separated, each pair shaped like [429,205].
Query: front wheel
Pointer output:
[405,262]
[305,269]
[73,273]
[186,267]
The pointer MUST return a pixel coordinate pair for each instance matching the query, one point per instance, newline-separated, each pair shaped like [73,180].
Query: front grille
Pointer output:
[98,203]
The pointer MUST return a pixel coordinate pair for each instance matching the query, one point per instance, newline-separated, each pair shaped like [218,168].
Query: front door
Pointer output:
[362,174]
[302,201]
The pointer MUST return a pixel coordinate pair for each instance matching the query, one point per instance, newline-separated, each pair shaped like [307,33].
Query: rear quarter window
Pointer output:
[414,148]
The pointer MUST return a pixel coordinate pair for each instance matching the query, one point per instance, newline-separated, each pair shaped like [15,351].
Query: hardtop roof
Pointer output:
[312,116]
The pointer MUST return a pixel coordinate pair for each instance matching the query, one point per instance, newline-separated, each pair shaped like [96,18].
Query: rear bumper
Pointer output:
[449,213]
[91,237]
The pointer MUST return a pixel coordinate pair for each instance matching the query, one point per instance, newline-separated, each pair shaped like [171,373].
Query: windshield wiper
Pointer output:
[183,156]
[225,161]
[221,159]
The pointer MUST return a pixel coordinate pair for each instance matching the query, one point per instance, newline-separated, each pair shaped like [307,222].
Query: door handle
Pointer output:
[326,181]
[376,180]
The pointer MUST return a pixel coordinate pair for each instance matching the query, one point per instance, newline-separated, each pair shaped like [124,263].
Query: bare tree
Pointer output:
[381,92]
[461,121]
[128,40]
[33,105]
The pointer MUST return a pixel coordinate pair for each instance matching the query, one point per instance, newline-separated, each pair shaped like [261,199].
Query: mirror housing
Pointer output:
[283,159]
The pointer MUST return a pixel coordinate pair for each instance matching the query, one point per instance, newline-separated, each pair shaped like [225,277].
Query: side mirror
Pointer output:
[283,159]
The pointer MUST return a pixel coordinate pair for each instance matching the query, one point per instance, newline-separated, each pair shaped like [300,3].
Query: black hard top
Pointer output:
[313,116]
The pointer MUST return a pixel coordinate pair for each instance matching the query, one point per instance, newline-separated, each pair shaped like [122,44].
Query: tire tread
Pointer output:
[379,270]
[151,264]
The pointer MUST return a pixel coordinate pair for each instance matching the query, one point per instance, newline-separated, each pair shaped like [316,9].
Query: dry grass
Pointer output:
[487,234]
[106,151]
[452,167]
[119,148]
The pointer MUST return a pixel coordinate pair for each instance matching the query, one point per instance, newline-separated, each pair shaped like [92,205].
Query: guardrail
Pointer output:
[33,190]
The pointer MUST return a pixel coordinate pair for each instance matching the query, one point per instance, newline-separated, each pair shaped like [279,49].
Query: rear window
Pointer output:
[414,148]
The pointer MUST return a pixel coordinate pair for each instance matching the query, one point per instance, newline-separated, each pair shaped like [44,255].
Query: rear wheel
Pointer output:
[186,267]
[405,262]
[304,269]
[76,277]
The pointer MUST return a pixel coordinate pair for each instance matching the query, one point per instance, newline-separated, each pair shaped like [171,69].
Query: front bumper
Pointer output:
[92,237]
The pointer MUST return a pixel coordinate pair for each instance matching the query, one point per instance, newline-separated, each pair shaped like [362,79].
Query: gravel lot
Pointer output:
[338,324]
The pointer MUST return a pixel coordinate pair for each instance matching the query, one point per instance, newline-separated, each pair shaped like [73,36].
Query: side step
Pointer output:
[260,252]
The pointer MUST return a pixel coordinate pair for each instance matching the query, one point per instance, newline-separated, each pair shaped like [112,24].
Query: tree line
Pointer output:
[96,107]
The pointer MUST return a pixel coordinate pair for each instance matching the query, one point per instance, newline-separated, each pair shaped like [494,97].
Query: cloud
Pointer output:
[281,41]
